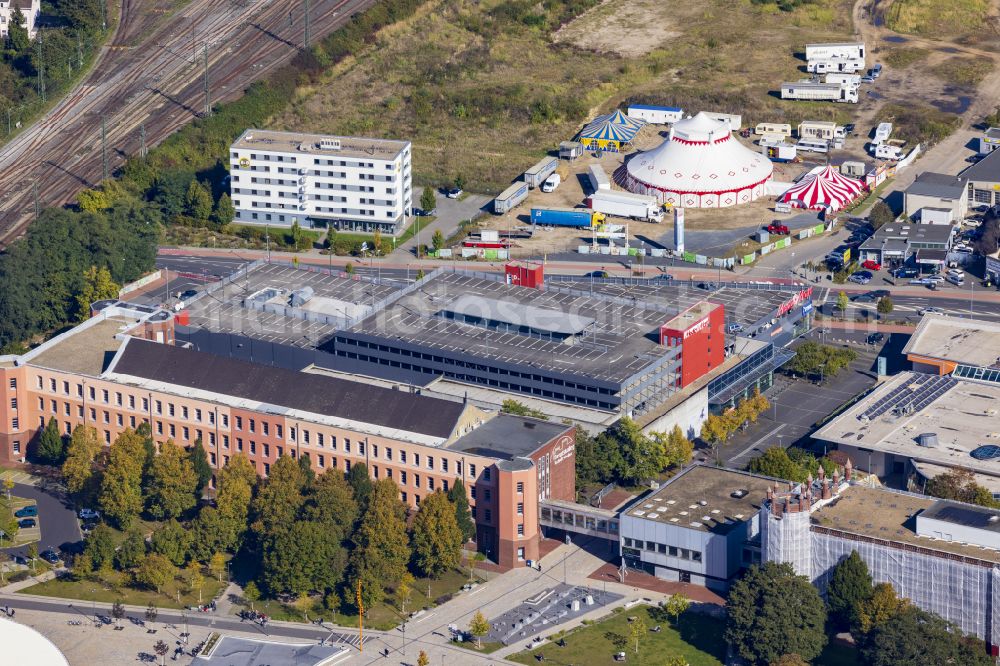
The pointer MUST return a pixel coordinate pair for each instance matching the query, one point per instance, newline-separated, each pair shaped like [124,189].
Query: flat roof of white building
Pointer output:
[965,341]
[319,144]
[962,414]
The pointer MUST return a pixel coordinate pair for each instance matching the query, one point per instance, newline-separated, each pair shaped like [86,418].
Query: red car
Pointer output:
[778,229]
[872,265]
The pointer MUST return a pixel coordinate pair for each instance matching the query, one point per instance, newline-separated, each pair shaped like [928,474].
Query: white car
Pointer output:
[965,249]
[89,514]
[956,272]
[926,311]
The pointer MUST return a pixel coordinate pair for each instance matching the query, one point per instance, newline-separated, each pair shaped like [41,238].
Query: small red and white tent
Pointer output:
[825,189]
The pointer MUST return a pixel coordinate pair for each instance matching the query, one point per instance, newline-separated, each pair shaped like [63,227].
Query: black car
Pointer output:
[87,527]
[866,297]
[876,338]
[50,556]
[27,522]
[879,293]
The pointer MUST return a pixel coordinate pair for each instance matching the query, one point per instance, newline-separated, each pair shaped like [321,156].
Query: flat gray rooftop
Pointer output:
[963,416]
[743,306]
[967,341]
[223,311]
[507,436]
[705,498]
[315,144]
[622,341]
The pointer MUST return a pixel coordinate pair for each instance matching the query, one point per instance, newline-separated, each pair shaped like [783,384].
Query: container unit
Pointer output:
[845,65]
[570,150]
[835,50]
[626,204]
[510,198]
[782,152]
[655,115]
[565,217]
[537,174]
[818,92]
[598,178]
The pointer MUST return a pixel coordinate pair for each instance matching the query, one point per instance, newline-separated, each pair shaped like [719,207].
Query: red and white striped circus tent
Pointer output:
[825,189]
[700,165]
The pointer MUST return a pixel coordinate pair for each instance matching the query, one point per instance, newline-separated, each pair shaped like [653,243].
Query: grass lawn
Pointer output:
[938,18]
[174,595]
[383,616]
[697,638]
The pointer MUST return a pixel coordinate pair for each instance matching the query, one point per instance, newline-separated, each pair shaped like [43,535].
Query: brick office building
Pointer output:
[116,371]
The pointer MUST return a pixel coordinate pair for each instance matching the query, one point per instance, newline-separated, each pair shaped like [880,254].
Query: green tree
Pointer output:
[233,497]
[437,240]
[195,580]
[172,483]
[198,201]
[224,212]
[349,269]
[677,448]
[915,636]
[479,626]
[880,607]
[772,612]
[305,556]
[99,547]
[154,572]
[18,40]
[199,463]
[208,534]
[463,516]
[959,484]
[381,547]
[97,285]
[676,605]
[427,200]
[716,430]
[332,504]
[51,446]
[404,591]
[517,408]
[217,565]
[251,593]
[132,551]
[881,215]
[850,584]
[775,462]
[172,541]
[308,473]
[791,659]
[420,274]
[360,483]
[640,456]
[279,498]
[437,539]
[121,487]
[885,306]
[596,458]
[84,446]
[842,302]
[637,630]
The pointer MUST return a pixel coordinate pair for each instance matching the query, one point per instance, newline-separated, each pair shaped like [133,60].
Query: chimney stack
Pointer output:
[849,470]
[826,489]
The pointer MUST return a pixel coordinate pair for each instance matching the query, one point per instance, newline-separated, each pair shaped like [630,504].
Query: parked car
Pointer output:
[88,527]
[865,297]
[89,514]
[876,338]
[934,278]
[879,293]
[50,555]
[920,281]
[734,328]
[927,311]
[27,511]
[27,522]
[872,265]
[965,249]
[454,193]
[778,229]
[867,79]
[903,272]
[957,272]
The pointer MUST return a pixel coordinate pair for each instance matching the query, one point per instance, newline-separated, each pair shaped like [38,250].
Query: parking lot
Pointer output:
[57,526]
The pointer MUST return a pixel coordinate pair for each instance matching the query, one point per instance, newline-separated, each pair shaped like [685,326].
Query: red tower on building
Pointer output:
[700,333]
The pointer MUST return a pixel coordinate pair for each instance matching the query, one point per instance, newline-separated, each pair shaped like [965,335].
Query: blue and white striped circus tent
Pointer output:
[610,132]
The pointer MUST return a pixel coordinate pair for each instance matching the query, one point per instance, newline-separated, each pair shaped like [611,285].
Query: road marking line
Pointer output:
[423,618]
[754,445]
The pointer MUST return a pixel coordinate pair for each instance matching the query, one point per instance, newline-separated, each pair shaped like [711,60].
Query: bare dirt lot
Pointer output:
[601,29]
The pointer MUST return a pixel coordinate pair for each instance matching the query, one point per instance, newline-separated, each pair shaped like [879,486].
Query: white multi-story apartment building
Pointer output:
[29,8]
[346,183]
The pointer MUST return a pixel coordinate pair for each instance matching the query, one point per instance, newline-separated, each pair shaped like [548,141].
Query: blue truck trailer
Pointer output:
[565,217]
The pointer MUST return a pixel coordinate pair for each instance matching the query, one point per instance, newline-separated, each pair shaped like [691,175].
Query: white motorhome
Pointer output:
[813,145]
[848,65]
[835,50]
[768,140]
[847,79]
[882,133]
[820,92]
[783,129]
[817,129]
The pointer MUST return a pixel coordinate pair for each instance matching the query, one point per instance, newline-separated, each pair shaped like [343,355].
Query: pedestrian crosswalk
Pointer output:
[351,639]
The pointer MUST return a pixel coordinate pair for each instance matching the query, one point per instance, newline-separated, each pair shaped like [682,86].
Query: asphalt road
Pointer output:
[59,526]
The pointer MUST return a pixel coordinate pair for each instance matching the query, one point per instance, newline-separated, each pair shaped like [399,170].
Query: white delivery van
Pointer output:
[551,183]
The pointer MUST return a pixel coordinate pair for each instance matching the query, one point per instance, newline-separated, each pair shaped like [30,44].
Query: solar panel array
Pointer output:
[914,395]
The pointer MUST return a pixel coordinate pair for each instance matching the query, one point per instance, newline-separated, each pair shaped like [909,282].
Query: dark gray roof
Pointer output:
[914,233]
[286,388]
[985,170]
[940,185]
[964,514]
[508,436]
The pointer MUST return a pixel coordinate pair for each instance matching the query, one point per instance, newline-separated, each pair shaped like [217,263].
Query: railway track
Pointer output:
[157,83]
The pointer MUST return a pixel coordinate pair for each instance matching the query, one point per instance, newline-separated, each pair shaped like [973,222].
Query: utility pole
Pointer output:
[41,68]
[208,103]
[104,147]
[79,49]
[305,33]
[142,141]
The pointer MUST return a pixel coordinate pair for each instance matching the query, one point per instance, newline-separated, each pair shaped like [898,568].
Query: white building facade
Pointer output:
[345,183]
[29,8]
